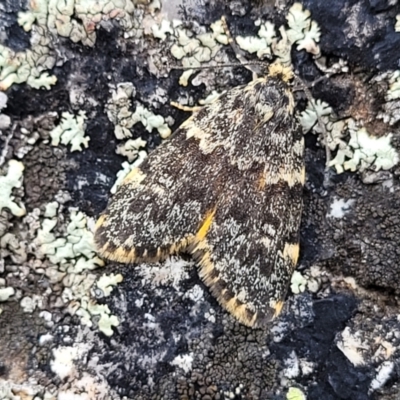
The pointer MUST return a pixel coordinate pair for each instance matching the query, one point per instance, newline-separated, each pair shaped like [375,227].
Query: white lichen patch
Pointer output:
[171,272]
[340,207]
[6,293]
[71,130]
[126,168]
[183,362]
[210,98]
[397,25]
[384,372]
[292,367]
[64,360]
[8,182]
[394,89]
[352,346]
[5,120]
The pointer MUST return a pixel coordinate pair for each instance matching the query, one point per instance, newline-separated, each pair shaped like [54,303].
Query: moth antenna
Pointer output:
[224,65]
[238,52]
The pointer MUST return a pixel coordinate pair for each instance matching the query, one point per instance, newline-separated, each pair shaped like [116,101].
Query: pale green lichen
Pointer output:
[6,293]
[295,393]
[260,44]
[363,151]
[191,49]
[371,152]
[78,241]
[309,117]
[5,120]
[106,283]
[394,89]
[12,180]
[130,149]
[51,209]
[73,254]
[77,19]
[302,31]
[28,66]
[298,283]
[106,321]
[71,130]
[120,114]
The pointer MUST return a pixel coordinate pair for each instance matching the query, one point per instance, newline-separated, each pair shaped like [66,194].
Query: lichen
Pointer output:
[72,255]
[6,293]
[295,393]
[190,48]
[77,19]
[106,283]
[126,168]
[8,182]
[28,66]
[5,120]
[71,130]
[397,25]
[302,31]
[363,151]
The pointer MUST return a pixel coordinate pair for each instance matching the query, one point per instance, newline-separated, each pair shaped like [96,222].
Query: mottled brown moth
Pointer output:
[227,188]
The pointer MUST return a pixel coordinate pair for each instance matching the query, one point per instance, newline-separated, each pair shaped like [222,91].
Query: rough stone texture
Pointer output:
[159,323]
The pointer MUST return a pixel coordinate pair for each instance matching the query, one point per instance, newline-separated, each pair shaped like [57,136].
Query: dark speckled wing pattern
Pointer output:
[226,187]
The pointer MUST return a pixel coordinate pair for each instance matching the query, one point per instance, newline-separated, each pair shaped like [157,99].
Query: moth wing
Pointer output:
[160,205]
[251,246]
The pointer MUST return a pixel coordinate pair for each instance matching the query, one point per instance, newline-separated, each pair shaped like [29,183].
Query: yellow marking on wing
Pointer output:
[135,176]
[100,221]
[119,254]
[278,308]
[202,232]
[262,180]
[291,252]
[129,255]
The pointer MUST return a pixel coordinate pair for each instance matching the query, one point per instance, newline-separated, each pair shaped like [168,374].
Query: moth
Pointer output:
[226,188]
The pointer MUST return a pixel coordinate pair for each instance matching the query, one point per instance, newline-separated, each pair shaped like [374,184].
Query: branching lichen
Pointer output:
[12,180]
[71,130]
